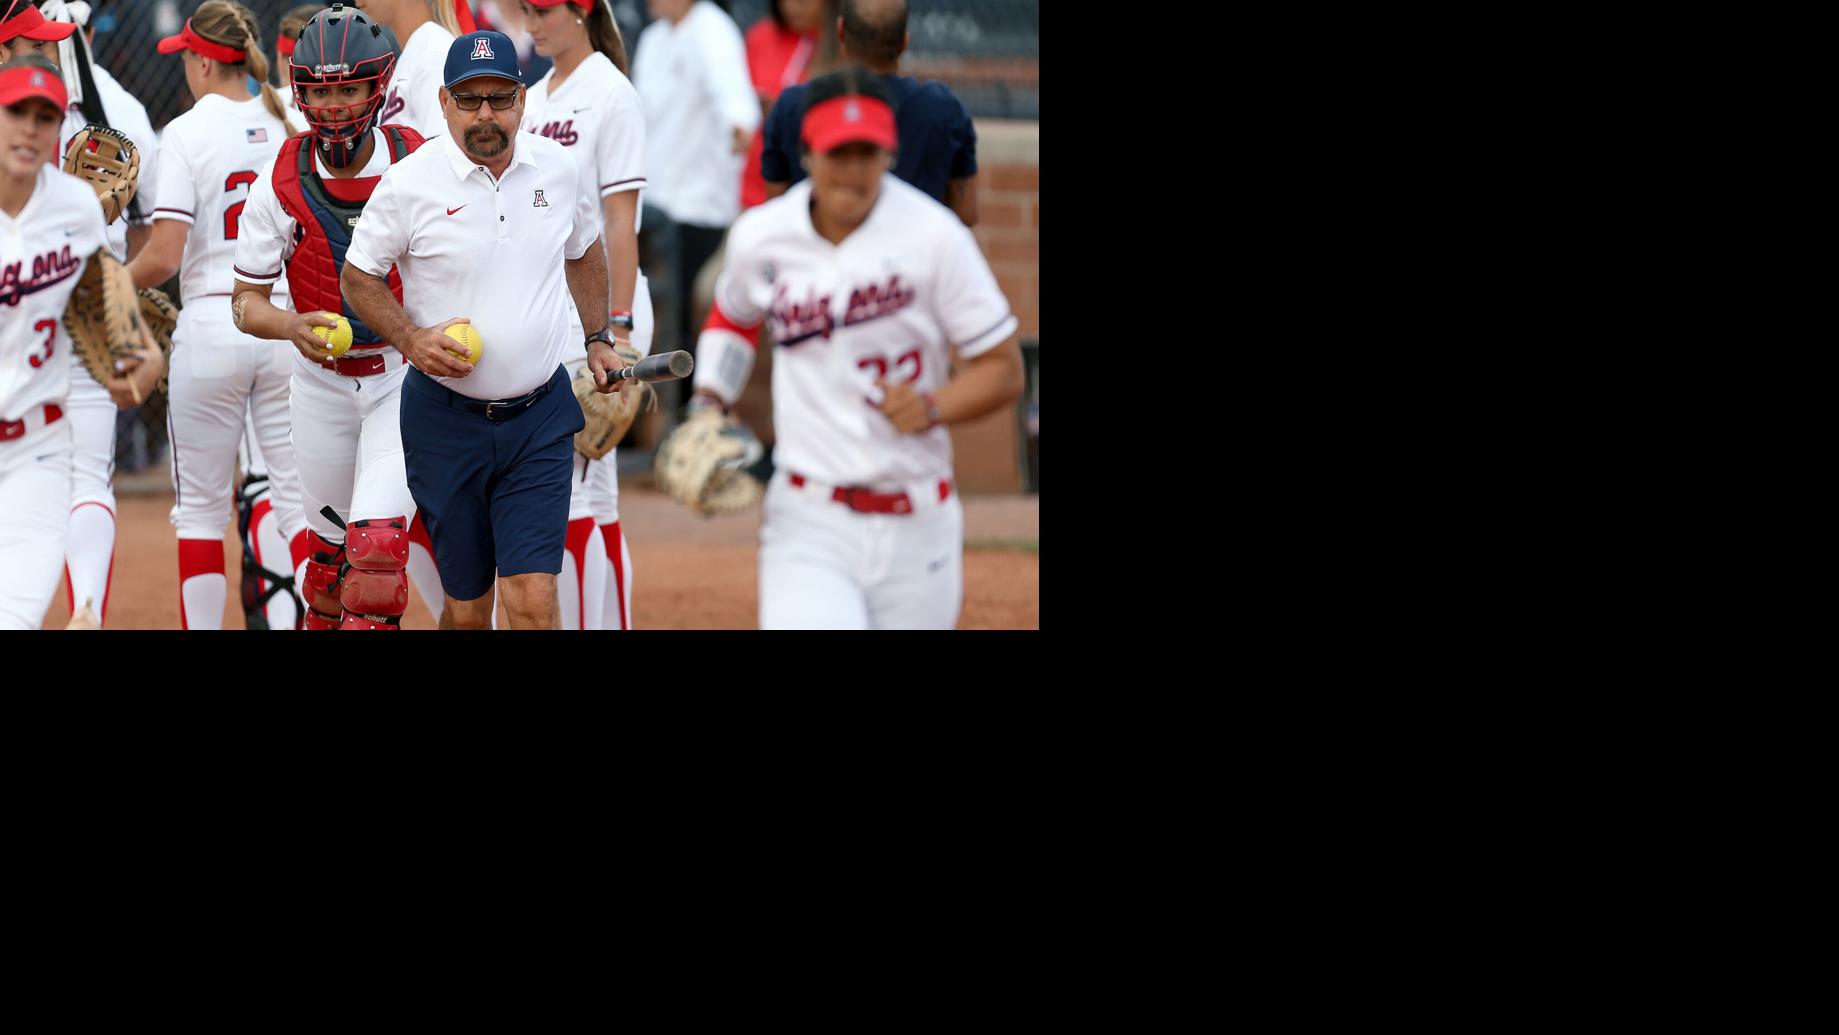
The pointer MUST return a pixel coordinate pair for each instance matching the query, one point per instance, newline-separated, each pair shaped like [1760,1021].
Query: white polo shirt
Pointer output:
[692,78]
[488,250]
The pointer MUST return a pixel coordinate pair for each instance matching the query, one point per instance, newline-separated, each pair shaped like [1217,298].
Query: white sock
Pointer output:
[89,553]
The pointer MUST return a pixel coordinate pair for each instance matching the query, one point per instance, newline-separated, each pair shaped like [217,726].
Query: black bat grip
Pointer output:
[670,366]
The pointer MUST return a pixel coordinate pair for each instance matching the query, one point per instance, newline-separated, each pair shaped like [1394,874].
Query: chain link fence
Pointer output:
[987,51]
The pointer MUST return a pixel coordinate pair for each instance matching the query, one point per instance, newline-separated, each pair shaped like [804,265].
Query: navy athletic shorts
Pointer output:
[492,489]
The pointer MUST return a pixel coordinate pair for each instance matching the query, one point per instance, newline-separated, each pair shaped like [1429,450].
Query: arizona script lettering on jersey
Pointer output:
[47,269]
[874,301]
[794,322]
[561,132]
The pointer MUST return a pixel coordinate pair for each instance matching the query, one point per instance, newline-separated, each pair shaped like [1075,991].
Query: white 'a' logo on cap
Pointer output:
[482,48]
[38,78]
[851,112]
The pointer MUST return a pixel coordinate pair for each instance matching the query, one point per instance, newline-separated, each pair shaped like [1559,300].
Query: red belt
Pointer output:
[867,501]
[358,366]
[12,429]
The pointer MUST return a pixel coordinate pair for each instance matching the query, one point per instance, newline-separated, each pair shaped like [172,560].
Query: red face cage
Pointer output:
[338,123]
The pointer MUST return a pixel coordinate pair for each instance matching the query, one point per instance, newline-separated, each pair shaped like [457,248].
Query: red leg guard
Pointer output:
[375,592]
[315,620]
[324,565]
[368,622]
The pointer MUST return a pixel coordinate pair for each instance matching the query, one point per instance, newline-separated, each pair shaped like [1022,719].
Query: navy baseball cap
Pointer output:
[481,53]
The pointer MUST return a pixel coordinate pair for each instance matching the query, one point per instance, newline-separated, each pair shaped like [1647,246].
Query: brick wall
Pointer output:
[988,451]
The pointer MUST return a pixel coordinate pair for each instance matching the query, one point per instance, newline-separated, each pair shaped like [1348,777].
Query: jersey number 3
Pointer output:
[234,213]
[50,329]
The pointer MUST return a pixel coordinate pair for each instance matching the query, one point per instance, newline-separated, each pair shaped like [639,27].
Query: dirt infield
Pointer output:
[689,573]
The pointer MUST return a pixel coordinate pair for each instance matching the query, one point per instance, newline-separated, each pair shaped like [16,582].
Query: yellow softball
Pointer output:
[465,335]
[338,338]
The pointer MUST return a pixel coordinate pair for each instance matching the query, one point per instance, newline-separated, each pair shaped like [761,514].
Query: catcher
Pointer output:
[868,285]
[61,291]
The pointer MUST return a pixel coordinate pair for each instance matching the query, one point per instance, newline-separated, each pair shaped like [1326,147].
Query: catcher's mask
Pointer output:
[339,46]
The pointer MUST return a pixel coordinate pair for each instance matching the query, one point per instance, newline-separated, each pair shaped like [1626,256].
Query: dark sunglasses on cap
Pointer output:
[471,101]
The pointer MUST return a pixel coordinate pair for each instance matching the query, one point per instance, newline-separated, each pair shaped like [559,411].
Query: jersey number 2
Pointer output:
[50,329]
[234,213]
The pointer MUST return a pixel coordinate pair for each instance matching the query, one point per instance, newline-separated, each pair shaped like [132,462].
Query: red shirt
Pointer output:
[776,58]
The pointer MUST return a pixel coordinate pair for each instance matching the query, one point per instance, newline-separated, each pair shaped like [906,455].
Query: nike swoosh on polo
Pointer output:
[451,211]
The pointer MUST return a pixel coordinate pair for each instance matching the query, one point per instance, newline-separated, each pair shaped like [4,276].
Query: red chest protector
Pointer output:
[326,211]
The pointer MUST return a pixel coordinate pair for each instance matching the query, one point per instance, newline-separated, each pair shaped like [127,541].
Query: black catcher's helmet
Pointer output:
[341,46]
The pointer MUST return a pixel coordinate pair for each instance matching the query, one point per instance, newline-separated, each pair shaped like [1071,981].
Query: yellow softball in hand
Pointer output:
[469,339]
[338,338]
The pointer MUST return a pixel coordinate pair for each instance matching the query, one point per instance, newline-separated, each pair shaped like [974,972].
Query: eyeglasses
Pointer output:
[471,101]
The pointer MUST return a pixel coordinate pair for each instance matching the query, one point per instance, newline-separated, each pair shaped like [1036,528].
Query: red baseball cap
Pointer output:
[22,79]
[33,26]
[840,120]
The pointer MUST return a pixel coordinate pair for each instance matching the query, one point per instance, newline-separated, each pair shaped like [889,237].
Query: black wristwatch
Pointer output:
[599,335]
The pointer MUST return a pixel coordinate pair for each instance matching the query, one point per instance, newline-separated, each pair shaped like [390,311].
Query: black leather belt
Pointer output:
[493,409]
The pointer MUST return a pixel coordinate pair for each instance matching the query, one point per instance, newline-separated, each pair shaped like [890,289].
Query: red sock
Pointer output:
[578,531]
[199,559]
[610,533]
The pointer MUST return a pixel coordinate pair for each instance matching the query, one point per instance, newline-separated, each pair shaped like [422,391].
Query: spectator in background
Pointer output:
[782,50]
[938,144]
[690,69]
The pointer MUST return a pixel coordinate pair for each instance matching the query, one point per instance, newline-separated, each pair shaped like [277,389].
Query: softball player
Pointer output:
[268,591]
[586,104]
[51,31]
[221,377]
[352,569]
[287,34]
[866,283]
[50,228]
[424,29]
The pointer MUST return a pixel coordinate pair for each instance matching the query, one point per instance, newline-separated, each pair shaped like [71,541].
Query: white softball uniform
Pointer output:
[43,251]
[90,543]
[596,115]
[888,302]
[347,444]
[414,98]
[214,153]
